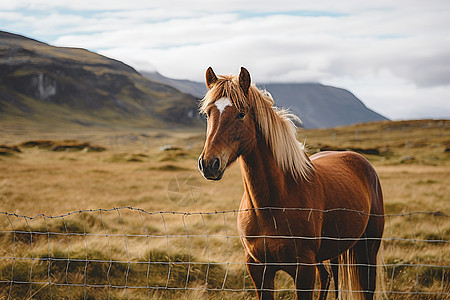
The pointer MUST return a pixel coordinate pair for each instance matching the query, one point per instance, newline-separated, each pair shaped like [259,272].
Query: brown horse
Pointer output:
[296,212]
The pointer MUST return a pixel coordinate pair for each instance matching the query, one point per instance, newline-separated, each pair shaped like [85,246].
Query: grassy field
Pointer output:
[195,253]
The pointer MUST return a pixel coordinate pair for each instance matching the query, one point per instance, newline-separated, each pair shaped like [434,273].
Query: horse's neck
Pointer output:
[264,181]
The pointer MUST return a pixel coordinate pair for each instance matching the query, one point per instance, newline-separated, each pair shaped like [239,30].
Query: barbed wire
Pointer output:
[167,254]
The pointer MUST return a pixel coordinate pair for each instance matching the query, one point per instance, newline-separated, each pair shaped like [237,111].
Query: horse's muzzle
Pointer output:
[210,168]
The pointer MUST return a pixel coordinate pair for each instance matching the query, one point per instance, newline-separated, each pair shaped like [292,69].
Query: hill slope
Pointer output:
[319,106]
[60,86]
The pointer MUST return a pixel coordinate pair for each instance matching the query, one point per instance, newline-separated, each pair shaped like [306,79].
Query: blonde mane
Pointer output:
[276,125]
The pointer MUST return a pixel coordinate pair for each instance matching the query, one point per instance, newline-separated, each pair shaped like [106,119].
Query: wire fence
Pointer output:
[131,253]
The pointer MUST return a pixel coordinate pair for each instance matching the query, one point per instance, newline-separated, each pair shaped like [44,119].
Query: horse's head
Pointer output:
[231,129]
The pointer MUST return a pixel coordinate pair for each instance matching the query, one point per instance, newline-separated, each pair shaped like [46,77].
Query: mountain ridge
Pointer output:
[317,105]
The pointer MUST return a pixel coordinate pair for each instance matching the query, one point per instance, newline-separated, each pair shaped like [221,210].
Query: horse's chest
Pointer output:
[265,240]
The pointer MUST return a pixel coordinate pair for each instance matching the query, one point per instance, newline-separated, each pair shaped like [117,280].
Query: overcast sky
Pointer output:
[393,55]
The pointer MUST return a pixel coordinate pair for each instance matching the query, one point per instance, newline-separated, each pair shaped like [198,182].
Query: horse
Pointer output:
[297,211]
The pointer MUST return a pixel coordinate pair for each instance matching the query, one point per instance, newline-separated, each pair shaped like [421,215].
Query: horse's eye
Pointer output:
[241,115]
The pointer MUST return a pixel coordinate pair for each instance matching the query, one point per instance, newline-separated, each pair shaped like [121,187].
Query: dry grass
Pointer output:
[412,163]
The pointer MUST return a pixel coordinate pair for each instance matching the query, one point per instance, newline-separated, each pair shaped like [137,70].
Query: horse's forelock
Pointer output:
[226,86]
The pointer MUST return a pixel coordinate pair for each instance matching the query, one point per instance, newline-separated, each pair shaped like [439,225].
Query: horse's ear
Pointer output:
[244,80]
[211,78]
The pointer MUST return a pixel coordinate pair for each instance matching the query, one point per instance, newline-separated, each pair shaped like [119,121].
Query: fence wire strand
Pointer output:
[129,251]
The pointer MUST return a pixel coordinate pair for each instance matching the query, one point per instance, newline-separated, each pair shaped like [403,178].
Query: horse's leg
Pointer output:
[305,282]
[304,275]
[263,277]
[366,257]
[325,278]
[366,250]
[324,281]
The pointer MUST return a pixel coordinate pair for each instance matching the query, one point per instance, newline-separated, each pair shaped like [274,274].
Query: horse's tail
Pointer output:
[349,287]
[349,284]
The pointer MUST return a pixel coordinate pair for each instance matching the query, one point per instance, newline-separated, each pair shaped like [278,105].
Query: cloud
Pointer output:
[326,45]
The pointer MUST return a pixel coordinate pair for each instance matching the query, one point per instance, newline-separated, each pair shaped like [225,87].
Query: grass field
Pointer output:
[99,251]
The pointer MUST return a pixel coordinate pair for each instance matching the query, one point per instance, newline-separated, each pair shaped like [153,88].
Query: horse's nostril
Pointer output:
[216,165]
[200,164]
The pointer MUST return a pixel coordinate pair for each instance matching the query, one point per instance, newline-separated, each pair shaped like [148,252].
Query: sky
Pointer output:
[393,55]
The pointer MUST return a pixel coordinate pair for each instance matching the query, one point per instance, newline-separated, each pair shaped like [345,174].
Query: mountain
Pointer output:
[321,106]
[317,105]
[59,86]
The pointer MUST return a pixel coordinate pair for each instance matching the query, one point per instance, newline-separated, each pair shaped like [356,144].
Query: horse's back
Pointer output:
[345,160]
[334,164]
[345,177]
